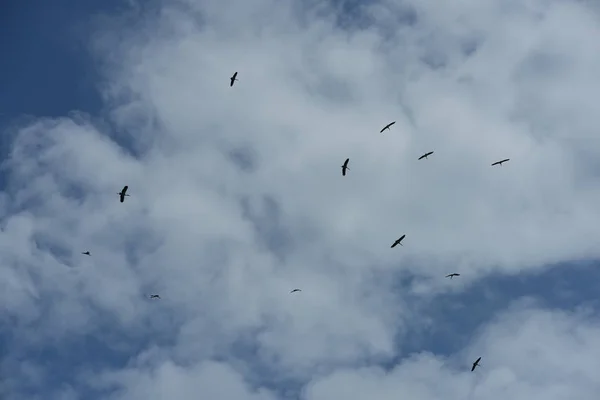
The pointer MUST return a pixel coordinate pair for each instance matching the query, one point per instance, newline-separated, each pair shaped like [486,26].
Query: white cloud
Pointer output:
[527,353]
[474,82]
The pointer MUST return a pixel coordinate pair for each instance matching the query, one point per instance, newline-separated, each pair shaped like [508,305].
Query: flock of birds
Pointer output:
[345,168]
[123,193]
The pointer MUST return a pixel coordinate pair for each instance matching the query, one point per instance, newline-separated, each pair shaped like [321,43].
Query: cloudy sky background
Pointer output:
[237,198]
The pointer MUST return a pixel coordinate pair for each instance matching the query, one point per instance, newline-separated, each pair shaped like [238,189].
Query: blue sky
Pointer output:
[236,199]
[47,70]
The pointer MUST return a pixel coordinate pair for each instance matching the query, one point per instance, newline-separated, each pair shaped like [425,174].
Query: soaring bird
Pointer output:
[500,162]
[295,290]
[426,155]
[233,79]
[475,364]
[345,167]
[87,253]
[452,275]
[397,242]
[154,296]
[387,127]
[122,193]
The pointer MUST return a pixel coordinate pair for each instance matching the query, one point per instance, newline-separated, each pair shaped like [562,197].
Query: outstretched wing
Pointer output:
[475,364]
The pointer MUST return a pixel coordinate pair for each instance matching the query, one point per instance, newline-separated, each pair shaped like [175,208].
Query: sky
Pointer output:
[237,197]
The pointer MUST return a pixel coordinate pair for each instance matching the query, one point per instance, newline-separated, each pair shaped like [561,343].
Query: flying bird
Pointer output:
[233,79]
[500,162]
[397,242]
[452,275]
[295,290]
[122,193]
[345,167]
[475,364]
[154,296]
[387,127]
[426,155]
[87,253]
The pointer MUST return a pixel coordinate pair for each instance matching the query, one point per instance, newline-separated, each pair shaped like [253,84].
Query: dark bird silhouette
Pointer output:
[397,242]
[345,167]
[233,79]
[122,193]
[475,364]
[387,127]
[452,275]
[426,155]
[87,253]
[295,290]
[500,162]
[154,296]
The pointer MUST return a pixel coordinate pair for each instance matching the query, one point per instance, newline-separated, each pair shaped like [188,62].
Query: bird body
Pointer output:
[87,253]
[345,167]
[398,242]
[154,296]
[387,126]
[452,275]
[233,79]
[475,364]
[426,155]
[500,162]
[122,193]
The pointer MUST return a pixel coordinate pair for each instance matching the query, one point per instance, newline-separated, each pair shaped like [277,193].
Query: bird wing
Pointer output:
[125,189]
[422,156]
[497,162]
[395,243]
[346,162]
[508,159]
[235,75]
[401,238]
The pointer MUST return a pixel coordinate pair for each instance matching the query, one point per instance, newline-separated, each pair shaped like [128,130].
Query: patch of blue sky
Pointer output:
[459,316]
